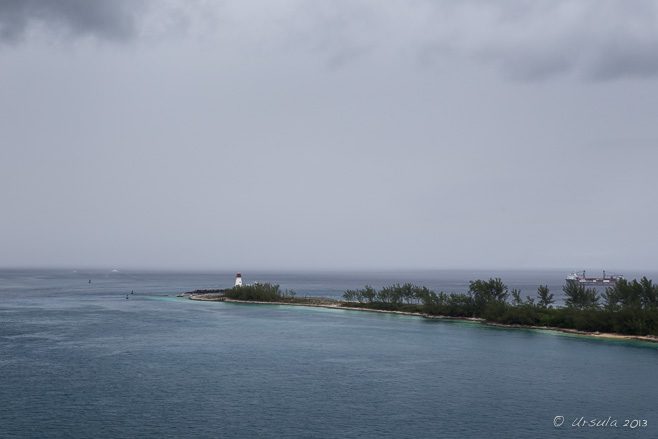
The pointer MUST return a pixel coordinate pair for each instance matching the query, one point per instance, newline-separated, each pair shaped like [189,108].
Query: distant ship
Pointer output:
[579,277]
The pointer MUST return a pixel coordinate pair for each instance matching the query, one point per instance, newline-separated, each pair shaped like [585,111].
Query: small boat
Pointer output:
[579,277]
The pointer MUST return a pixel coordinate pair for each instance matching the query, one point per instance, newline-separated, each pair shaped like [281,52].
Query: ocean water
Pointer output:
[78,360]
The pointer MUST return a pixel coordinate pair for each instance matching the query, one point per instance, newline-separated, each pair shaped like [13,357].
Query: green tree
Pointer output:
[350,296]
[649,294]
[423,295]
[484,294]
[393,294]
[611,299]
[257,292]
[516,297]
[545,299]
[631,295]
[580,297]
[369,293]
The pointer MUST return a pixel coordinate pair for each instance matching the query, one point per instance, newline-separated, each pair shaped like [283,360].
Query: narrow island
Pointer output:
[626,310]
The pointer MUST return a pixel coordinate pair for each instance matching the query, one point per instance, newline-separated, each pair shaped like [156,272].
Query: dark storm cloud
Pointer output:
[114,20]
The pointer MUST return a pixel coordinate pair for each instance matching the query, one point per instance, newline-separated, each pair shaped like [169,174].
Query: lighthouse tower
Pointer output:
[238,280]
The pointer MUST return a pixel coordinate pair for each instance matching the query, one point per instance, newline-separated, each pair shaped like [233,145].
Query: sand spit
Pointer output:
[321,302]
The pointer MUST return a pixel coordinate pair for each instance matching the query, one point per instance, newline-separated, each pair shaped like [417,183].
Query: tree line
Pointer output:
[628,307]
[257,292]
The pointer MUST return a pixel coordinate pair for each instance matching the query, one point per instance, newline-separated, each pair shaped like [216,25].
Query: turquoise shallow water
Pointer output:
[80,362]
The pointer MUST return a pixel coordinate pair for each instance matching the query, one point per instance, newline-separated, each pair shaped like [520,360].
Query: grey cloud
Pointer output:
[526,41]
[114,20]
[539,40]
[625,55]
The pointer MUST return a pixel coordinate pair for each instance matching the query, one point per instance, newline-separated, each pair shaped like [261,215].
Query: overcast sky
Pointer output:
[299,134]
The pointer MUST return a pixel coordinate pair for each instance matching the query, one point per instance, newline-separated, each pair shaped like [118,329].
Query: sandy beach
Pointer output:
[320,302]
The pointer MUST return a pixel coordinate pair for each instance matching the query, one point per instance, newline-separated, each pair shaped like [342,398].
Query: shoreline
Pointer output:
[334,304]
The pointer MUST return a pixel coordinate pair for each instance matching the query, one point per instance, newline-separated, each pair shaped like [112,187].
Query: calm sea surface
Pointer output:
[78,360]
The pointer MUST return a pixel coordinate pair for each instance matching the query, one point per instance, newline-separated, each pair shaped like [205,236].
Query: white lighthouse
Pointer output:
[238,280]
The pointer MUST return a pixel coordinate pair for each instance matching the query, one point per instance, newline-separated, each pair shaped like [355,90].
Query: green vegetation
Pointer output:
[628,307]
[273,293]
[259,293]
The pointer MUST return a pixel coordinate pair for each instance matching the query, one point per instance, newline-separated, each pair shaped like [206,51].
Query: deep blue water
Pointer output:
[78,360]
